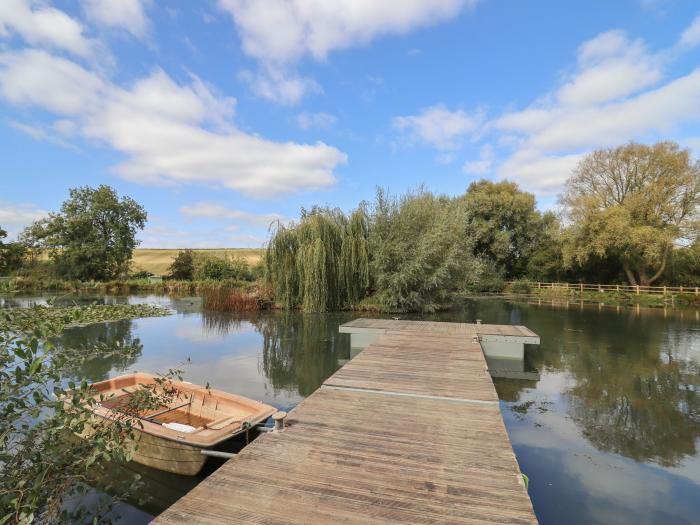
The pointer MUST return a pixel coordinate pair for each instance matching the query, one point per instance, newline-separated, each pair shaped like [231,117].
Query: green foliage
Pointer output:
[522,286]
[504,225]
[27,320]
[93,236]
[43,466]
[420,253]
[220,269]
[632,203]
[684,266]
[183,266]
[12,255]
[545,259]
[322,262]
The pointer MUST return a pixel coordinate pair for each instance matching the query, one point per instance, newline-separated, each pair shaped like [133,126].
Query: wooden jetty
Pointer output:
[408,432]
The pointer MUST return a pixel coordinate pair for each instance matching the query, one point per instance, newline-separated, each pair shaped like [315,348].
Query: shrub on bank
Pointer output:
[521,287]
[219,269]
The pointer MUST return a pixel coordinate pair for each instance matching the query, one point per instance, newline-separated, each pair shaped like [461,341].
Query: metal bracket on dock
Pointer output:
[217,454]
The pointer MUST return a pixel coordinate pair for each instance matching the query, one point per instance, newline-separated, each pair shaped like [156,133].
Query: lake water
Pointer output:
[606,423]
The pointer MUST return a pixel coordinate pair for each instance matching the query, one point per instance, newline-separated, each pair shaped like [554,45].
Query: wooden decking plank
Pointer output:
[356,452]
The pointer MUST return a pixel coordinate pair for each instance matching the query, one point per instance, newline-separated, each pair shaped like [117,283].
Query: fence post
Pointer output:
[539,285]
[580,287]
[600,288]
[637,286]
[664,291]
[681,290]
[618,288]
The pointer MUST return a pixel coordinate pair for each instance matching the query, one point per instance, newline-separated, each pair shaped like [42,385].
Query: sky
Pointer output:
[223,116]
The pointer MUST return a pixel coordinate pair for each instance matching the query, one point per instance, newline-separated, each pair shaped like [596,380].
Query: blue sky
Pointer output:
[220,116]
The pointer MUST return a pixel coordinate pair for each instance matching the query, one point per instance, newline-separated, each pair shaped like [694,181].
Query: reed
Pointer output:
[233,300]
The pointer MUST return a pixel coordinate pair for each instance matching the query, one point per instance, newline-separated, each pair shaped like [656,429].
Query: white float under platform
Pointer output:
[497,341]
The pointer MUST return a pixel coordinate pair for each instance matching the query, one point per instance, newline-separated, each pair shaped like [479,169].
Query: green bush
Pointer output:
[183,266]
[44,469]
[521,287]
[141,274]
[421,254]
[219,269]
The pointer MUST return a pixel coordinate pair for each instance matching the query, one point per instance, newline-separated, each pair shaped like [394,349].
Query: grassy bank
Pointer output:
[157,261]
[52,285]
[610,297]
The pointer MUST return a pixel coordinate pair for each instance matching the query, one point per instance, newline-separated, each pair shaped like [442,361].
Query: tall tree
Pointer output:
[419,254]
[12,254]
[503,223]
[632,203]
[94,234]
[321,263]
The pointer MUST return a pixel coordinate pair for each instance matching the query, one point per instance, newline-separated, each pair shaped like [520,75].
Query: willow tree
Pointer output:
[421,254]
[632,203]
[321,263]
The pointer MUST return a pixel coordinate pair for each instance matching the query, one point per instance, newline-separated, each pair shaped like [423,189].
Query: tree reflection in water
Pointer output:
[631,377]
[299,351]
[633,398]
[117,348]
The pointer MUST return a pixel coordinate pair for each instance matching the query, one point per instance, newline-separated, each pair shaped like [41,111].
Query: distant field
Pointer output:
[157,261]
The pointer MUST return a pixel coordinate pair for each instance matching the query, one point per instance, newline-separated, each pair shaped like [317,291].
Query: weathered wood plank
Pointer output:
[408,432]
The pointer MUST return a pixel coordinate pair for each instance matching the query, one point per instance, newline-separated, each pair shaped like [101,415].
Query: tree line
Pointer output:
[626,214]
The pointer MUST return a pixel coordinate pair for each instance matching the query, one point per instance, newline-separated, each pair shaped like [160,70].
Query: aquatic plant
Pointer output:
[28,319]
[226,299]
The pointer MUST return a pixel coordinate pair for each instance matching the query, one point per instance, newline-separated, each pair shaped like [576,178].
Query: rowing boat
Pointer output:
[173,436]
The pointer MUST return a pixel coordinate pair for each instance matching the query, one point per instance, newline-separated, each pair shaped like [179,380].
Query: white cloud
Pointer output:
[279,33]
[483,165]
[129,15]
[306,120]
[654,111]
[41,134]
[283,31]
[616,93]
[41,25]
[168,132]
[213,210]
[535,170]
[158,233]
[15,217]
[439,127]
[610,66]
[691,36]
[24,77]
[279,86]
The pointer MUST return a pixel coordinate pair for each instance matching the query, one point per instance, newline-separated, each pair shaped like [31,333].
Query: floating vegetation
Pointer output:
[25,319]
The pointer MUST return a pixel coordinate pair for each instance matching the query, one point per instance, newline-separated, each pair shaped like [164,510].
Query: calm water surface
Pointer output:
[608,434]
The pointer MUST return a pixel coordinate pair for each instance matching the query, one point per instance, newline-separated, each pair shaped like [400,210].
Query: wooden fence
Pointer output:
[623,288]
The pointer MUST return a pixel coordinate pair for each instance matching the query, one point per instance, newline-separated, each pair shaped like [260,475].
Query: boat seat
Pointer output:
[180,427]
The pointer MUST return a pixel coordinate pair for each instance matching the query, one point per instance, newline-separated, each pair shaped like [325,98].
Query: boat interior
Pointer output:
[191,409]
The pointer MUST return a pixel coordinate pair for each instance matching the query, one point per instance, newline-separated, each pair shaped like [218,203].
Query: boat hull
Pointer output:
[170,456]
[173,437]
